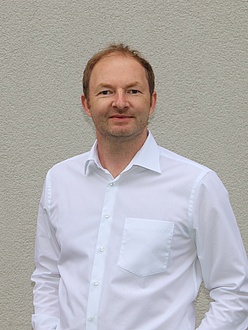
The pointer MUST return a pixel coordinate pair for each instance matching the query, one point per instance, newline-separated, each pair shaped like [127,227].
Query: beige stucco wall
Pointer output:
[199,52]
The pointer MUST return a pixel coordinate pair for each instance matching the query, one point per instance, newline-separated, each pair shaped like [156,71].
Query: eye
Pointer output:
[133,91]
[105,92]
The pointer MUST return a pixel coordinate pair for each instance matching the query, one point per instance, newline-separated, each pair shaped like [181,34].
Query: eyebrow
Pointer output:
[102,85]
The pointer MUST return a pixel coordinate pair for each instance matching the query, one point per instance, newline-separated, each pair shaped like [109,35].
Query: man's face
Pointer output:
[119,99]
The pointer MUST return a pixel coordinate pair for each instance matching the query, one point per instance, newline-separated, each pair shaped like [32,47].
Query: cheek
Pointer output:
[100,105]
[97,112]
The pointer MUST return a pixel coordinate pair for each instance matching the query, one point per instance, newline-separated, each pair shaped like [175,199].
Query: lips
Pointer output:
[121,116]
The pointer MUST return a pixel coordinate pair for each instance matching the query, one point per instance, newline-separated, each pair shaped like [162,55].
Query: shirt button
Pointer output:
[106,216]
[96,283]
[111,184]
[101,249]
[91,318]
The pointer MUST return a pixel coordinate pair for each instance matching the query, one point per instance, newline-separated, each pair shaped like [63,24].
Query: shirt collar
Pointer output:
[147,156]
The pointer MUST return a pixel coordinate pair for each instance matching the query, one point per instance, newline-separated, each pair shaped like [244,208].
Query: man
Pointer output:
[127,232]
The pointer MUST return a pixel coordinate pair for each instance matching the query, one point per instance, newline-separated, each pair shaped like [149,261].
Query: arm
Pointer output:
[222,257]
[46,275]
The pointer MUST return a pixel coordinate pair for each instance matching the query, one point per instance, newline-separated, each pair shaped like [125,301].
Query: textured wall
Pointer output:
[199,53]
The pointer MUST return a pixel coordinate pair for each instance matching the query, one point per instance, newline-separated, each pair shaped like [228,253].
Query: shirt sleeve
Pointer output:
[222,256]
[46,275]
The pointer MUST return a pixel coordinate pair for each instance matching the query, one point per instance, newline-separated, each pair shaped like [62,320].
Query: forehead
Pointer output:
[118,67]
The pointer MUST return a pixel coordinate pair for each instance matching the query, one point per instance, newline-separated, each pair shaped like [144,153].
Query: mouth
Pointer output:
[120,117]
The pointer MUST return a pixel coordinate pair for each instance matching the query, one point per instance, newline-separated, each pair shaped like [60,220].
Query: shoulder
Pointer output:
[190,175]
[70,165]
[171,158]
[187,171]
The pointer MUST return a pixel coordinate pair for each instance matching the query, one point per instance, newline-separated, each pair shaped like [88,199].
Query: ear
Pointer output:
[85,104]
[153,102]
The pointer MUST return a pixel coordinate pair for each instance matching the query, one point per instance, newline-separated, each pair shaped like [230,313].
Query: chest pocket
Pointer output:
[145,246]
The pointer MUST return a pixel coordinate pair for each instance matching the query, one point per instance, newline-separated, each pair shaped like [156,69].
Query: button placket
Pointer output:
[100,257]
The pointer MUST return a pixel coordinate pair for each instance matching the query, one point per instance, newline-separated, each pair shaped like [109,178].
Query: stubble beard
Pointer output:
[120,134]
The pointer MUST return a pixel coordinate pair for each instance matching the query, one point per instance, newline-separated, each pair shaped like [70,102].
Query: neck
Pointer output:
[116,154]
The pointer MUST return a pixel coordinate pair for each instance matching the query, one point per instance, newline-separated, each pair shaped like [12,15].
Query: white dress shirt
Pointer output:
[130,253]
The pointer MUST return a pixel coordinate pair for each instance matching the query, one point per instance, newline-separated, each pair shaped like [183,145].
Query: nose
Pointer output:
[120,100]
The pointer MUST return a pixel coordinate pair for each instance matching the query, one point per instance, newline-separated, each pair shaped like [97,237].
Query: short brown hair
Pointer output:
[122,49]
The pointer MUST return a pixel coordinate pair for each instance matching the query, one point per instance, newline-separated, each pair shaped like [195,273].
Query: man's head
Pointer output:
[119,94]
[118,49]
